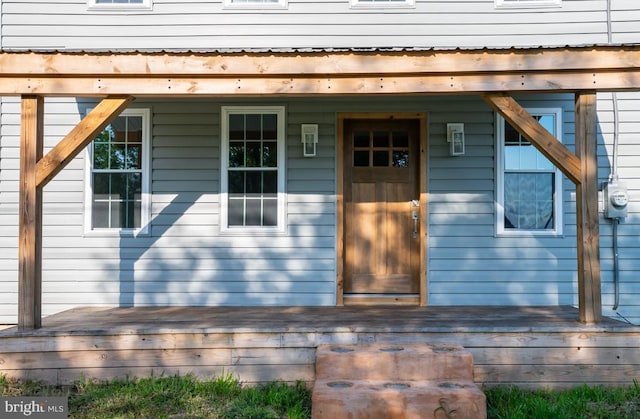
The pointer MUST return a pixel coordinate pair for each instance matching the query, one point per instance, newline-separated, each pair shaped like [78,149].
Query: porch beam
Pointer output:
[319,72]
[588,235]
[598,58]
[335,84]
[79,137]
[30,214]
[536,134]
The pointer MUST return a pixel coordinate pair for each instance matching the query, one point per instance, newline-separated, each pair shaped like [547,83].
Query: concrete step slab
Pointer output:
[412,362]
[402,399]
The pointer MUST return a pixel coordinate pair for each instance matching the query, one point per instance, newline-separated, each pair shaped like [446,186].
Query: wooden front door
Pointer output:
[381,207]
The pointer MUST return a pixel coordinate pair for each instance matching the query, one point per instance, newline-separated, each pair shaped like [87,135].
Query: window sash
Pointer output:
[382,4]
[118,5]
[117,196]
[252,180]
[256,4]
[527,3]
[529,212]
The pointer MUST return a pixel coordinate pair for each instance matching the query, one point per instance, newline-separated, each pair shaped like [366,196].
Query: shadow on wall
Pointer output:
[185,260]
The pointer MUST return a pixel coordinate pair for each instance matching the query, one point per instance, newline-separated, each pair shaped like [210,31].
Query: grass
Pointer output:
[173,397]
[582,402]
[225,397]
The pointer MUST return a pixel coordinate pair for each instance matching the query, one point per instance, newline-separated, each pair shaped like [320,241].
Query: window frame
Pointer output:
[145,204]
[526,4]
[500,171]
[119,7]
[373,4]
[280,226]
[281,4]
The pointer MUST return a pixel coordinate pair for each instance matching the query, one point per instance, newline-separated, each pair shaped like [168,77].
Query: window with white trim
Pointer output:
[119,4]
[117,198]
[382,3]
[256,4]
[529,186]
[252,178]
[527,3]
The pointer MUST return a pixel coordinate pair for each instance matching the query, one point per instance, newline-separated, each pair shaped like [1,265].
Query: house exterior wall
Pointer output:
[186,260]
[38,24]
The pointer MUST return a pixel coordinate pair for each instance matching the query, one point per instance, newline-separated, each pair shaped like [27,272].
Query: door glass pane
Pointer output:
[400,139]
[381,139]
[361,158]
[400,159]
[381,158]
[361,139]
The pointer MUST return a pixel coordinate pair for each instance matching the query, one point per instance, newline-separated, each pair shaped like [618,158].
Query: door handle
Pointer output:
[415,217]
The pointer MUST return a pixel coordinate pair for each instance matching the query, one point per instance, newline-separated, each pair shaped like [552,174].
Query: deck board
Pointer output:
[314,319]
[529,346]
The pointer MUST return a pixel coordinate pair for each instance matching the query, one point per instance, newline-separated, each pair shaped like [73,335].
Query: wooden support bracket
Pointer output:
[35,172]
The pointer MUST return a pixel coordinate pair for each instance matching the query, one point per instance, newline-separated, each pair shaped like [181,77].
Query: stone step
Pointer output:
[412,362]
[372,399]
[395,381]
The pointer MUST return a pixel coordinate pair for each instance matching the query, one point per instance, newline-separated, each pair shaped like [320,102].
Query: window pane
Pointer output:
[134,154]
[100,214]
[254,126]
[253,183]
[270,217]
[269,126]
[236,183]
[134,186]
[236,154]
[253,149]
[254,212]
[236,127]
[270,185]
[548,122]
[100,155]
[117,161]
[236,212]
[528,201]
[270,154]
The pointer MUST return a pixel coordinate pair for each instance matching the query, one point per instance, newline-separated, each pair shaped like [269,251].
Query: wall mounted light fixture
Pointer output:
[309,138]
[455,138]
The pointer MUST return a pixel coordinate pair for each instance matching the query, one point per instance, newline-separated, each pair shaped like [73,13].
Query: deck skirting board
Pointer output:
[529,359]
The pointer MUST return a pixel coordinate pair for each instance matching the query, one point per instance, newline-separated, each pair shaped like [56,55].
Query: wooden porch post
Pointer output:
[36,171]
[588,236]
[582,169]
[30,214]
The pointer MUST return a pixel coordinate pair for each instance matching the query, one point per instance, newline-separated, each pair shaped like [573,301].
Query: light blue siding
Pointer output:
[186,260]
[37,24]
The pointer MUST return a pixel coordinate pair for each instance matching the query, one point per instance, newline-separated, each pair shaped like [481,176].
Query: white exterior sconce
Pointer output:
[309,139]
[455,138]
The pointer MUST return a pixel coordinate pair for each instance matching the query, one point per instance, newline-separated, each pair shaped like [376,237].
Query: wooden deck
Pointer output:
[528,346]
